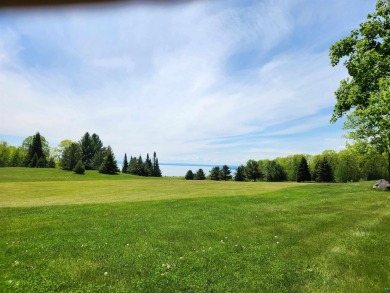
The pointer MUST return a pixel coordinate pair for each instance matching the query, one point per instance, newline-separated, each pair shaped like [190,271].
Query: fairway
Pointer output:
[123,233]
[98,188]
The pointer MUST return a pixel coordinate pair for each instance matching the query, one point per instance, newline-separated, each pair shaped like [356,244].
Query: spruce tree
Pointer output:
[41,163]
[215,173]
[156,169]
[189,175]
[323,171]
[35,148]
[148,166]
[200,175]
[240,173]
[88,149]
[70,156]
[252,170]
[226,173]
[139,167]
[132,166]
[125,166]
[109,165]
[303,173]
[34,161]
[79,168]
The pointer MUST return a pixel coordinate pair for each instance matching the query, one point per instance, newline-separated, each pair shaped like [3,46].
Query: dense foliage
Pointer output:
[109,165]
[303,173]
[149,167]
[365,95]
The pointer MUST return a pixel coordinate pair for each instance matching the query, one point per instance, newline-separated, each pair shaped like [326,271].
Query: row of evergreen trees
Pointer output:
[136,166]
[271,172]
[198,175]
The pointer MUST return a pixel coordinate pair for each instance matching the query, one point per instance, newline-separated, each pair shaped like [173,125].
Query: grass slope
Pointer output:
[299,238]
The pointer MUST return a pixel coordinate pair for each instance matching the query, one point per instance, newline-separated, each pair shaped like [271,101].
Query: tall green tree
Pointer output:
[252,170]
[71,154]
[364,96]
[303,173]
[189,175]
[226,173]
[240,173]
[156,167]
[29,141]
[125,166]
[148,166]
[109,165]
[88,149]
[199,175]
[274,172]
[347,168]
[323,171]
[35,148]
[215,173]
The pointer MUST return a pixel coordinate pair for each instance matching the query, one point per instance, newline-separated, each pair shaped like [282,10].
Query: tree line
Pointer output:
[88,153]
[137,166]
[349,165]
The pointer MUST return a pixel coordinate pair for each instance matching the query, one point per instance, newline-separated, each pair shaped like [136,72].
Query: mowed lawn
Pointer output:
[94,233]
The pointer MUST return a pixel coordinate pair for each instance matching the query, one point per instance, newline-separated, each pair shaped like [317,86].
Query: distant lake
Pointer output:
[173,169]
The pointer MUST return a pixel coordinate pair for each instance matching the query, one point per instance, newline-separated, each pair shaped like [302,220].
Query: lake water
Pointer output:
[181,169]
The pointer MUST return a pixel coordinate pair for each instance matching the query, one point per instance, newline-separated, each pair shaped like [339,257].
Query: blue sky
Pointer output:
[205,82]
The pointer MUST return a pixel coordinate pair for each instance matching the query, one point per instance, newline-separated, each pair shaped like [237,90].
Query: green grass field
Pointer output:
[63,232]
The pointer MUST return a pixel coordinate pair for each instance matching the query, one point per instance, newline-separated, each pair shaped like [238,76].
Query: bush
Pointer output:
[189,175]
[79,168]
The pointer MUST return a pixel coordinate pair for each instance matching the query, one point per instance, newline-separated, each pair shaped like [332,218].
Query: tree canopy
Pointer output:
[364,96]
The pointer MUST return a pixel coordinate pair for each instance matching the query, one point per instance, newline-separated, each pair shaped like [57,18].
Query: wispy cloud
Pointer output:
[204,82]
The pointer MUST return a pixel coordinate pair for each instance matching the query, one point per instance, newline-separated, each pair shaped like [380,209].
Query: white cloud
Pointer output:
[155,79]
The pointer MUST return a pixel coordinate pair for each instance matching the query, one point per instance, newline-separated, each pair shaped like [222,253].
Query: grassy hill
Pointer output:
[97,233]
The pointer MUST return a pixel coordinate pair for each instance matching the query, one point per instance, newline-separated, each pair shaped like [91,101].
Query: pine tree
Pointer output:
[303,173]
[215,173]
[156,168]
[200,175]
[109,165]
[70,156]
[252,170]
[87,149]
[41,163]
[125,165]
[79,168]
[35,148]
[157,171]
[189,175]
[226,173]
[34,161]
[323,171]
[132,166]
[148,166]
[240,173]
[51,163]
[139,167]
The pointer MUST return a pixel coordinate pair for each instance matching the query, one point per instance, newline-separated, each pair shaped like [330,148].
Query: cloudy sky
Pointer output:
[204,82]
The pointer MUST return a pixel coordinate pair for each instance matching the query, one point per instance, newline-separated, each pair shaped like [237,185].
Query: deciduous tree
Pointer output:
[365,96]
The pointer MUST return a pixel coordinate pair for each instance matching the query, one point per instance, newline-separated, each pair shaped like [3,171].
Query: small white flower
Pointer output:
[105,273]
[277,242]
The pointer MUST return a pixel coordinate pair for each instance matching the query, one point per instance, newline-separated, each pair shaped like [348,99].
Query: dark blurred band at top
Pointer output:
[48,3]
